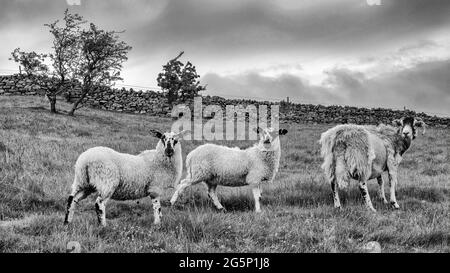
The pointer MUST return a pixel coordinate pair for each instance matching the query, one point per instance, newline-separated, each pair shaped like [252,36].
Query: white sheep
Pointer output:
[119,176]
[364,152]
[219,165]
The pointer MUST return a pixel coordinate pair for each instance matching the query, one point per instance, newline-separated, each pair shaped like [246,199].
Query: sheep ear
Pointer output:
[183,133]
[282,132]
[156,133]
[397,122]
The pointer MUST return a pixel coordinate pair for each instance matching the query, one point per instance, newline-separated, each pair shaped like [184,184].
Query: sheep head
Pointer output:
[269,135]
[168,140]
[408,125]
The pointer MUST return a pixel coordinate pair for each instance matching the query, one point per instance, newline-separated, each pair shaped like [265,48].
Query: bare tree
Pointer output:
[88,56]
[65,49]
[99,61]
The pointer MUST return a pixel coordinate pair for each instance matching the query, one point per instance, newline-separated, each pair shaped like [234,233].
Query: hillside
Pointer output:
[38,151]
[154,103]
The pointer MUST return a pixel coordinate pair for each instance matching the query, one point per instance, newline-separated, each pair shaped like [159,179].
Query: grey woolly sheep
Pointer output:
[365,152]
[119,176]
[219,165]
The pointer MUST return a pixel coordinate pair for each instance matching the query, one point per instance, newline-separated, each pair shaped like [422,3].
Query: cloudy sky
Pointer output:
[396,54]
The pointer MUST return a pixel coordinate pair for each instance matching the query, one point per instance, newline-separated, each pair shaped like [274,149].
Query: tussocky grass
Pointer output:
[38,151]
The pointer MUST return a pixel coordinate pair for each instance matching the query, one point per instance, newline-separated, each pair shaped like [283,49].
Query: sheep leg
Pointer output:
[180,188]
[365,195]
[214,198]
[257,196]
[156,210]
[335,190]
[393,183]
[100,208]
[381,189]
[392,171]
[71,204]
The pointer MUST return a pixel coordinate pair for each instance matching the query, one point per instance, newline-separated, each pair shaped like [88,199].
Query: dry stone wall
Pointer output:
[154,103]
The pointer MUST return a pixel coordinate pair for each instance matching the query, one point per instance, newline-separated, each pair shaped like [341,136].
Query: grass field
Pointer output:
[38,151]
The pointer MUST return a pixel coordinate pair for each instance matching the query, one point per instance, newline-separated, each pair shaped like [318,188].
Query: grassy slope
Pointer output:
[38,151]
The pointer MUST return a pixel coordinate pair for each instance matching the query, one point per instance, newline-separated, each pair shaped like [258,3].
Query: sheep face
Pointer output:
[408,127]
[168,141]
[268,136]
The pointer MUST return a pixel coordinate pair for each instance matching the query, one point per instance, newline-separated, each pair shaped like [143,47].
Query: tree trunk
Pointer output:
[78,101]
[52,100]
[172,96]
[74,106]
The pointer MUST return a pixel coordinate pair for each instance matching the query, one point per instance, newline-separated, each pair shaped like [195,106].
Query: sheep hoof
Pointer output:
[338,208]
[394,205]
[223,210]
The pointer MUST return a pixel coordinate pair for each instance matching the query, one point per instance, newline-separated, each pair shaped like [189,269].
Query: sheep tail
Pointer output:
[358,160]
[329,162]
[347,153]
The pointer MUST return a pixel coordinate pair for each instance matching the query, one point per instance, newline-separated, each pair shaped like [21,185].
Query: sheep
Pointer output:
[364,152]
[119,176]
[220,165]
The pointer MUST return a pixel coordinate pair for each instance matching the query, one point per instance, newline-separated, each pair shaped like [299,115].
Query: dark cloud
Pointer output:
[346,78]
[262,36]
[425,87]
[254,85]
[30,13]
[421,44]
[245,27]
[237,29]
